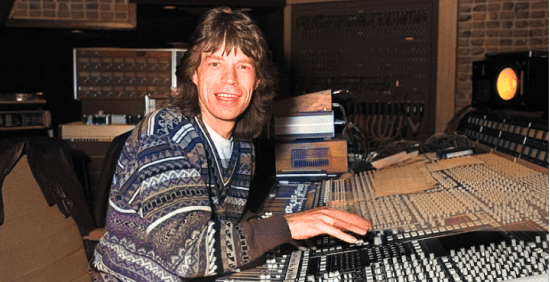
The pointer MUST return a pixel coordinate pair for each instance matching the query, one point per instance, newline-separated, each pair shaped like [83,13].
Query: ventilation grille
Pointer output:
[315,157]
[309,153]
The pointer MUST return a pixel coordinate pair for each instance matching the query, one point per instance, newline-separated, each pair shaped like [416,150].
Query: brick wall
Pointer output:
[491,26]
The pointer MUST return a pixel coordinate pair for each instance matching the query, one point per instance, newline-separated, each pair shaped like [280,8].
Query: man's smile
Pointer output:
[227,95]
[227,98]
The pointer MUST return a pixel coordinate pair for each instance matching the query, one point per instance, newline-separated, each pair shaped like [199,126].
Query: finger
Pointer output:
[342,225]
[339,229]
[337,233]
[347,221]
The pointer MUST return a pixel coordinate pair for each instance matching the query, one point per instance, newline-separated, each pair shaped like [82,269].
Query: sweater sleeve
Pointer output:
[160,224]
[266,234]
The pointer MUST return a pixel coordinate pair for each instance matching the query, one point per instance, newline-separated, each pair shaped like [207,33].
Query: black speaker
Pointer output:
[512,80]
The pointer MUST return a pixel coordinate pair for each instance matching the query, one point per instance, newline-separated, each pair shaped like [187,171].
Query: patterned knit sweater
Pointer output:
[175,212]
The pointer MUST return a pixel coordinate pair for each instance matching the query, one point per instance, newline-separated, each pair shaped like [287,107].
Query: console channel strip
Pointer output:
[482,222]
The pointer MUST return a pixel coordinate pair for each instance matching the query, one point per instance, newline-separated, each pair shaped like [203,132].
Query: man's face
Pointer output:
[225,83]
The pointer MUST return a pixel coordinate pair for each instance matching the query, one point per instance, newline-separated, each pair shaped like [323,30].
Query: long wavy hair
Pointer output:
[234,30]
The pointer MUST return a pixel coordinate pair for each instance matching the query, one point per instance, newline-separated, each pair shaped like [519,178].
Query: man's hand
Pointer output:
[320,221]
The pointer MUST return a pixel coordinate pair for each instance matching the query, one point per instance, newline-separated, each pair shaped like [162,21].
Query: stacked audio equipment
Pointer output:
[482,217]
[23,112]
[116,88]
[304,127]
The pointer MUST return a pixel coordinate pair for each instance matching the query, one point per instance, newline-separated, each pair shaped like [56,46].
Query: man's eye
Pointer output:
[245,67]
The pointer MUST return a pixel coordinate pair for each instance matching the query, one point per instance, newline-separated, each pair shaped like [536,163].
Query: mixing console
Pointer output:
[487,221]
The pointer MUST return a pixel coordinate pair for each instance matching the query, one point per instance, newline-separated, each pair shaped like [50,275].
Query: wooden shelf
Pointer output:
[11,128]
[31,102]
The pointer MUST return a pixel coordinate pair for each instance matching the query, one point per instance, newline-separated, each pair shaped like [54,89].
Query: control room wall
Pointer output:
[469,29]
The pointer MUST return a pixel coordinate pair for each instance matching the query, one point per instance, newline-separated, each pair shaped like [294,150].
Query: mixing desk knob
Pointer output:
[399,273]
[389,273]
[377,240]
[529,268]
[482,276]
[431,274]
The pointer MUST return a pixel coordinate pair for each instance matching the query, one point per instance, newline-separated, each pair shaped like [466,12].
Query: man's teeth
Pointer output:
[227,95]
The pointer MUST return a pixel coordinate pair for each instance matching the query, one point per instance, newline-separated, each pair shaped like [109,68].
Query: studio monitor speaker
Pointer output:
[513,80]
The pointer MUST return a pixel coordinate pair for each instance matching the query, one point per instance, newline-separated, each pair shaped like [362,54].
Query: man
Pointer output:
[178,195]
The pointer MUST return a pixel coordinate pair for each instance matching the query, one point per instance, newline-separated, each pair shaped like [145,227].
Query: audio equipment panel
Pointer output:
[485,219]
[119,73]
[330,156]
[392,120]
[381,51]
[520,137]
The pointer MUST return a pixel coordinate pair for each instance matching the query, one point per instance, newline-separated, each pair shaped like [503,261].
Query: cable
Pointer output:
[432,144]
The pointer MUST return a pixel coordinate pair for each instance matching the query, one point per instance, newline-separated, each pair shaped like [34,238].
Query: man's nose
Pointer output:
[230,76]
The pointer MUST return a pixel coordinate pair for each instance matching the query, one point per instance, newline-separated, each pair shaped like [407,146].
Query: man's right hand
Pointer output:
[326,221]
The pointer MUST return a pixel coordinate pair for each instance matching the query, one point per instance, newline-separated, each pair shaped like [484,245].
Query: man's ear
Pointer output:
[257,84]
[195,78]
